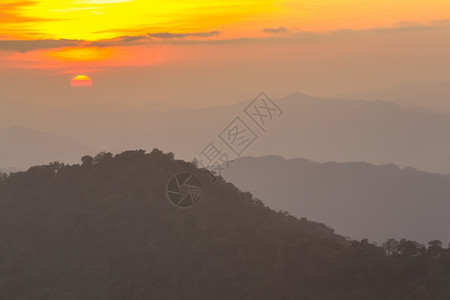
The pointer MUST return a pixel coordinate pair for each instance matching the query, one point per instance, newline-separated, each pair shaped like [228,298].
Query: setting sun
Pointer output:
[81,81]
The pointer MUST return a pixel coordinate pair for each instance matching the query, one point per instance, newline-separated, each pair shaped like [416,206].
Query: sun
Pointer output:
[81,81]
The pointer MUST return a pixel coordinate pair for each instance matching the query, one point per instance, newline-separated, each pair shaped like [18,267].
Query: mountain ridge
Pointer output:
[321,129]
[103,229]
[384,201]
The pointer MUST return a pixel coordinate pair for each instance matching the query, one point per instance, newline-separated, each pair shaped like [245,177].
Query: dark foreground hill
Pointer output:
[104,230]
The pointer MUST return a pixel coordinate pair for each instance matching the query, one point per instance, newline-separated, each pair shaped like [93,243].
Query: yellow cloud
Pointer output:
[88,32]
[104,19]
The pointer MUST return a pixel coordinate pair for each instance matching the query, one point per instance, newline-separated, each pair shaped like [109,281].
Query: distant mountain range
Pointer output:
[351,130]
[358,199]
[319,129]
[432,95]
[21,148]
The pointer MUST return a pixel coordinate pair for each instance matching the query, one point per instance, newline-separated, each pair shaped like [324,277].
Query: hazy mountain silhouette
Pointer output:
[319,129]
[358,199]
[432,95]
[350,130]
[22,147]
[105,230]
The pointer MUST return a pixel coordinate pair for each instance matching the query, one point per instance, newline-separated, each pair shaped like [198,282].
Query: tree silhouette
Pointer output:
[105,230]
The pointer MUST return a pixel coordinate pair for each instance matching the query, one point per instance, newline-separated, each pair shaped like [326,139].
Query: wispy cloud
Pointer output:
[442,22]
[168,35]
[10,12]
[276,30]
[128,40]
[396,28]
[185,38]
[405,26]
[25,46]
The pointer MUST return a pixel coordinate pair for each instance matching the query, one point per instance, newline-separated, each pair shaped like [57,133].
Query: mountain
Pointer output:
[22,147]
[349,130]
[340,130]
[105,230]
[357,199]
[430,95]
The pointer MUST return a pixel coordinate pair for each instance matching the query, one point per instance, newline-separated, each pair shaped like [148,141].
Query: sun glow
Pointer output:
[82,54]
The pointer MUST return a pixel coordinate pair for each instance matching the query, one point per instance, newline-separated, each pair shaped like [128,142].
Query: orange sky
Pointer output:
[160,51]
[75,35]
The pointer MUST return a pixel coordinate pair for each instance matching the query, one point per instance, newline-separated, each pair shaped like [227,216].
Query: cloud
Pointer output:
[182,38]
[443,22]
[168,35]
[148,38]
[398,27]
[10,12]
[404,26]
[130,38]
[127,40]
[25,46]
[276,30]
[30,45]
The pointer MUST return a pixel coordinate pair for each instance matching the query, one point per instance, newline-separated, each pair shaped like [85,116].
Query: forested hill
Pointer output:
[105,230]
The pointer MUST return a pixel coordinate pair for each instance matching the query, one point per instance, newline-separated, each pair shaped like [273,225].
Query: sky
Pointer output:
[205,53]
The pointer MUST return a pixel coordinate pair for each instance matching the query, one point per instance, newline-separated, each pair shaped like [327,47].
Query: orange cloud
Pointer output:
[94,34]
[91,59]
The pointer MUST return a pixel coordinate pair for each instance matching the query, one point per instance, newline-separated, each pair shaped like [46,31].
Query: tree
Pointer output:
[87,160]
[410,248]
[391,246]
[103,157]
[434,248]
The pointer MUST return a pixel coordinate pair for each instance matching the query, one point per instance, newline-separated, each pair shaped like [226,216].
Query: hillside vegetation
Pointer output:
[104,229]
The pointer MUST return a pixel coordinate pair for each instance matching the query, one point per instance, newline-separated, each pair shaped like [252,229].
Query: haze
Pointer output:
[358,82]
